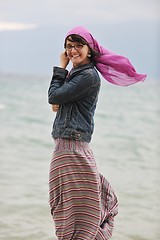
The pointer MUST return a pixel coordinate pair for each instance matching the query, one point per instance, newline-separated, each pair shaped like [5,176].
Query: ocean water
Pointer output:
[126,145]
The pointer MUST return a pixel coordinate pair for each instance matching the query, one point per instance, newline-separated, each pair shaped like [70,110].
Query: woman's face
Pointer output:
[77,53]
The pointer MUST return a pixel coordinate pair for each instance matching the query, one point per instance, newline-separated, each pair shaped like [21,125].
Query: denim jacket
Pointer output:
[76,93]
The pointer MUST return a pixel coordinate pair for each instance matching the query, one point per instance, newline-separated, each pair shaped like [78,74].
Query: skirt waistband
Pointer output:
[70,144]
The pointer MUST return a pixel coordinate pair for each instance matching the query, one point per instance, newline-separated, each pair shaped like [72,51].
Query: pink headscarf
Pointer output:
[113,67]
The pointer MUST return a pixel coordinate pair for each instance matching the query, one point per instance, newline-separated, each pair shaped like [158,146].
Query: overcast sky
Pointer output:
[19,14]
[24,15]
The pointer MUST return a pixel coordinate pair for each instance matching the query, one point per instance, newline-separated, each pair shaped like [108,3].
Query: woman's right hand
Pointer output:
[64,60]
[55,107]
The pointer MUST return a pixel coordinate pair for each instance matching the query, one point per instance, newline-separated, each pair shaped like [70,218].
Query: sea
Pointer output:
[125,143]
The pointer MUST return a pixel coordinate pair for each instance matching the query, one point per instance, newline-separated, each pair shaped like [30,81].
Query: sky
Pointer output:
[32,31]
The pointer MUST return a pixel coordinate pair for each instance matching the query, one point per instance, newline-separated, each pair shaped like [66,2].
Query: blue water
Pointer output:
[126,145]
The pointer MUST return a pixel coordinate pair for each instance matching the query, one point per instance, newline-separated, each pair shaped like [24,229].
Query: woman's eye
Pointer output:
[79,46]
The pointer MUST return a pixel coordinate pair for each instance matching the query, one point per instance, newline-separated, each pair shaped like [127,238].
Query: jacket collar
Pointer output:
[83,67]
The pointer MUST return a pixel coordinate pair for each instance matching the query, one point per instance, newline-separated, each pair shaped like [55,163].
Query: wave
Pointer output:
[2,106]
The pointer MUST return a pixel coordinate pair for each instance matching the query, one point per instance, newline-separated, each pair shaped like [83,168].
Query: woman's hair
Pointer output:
[79,39]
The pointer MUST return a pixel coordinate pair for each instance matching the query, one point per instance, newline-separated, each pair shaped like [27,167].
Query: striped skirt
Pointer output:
[83,203]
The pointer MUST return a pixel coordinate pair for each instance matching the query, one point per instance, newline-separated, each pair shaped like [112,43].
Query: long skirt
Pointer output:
[83,203]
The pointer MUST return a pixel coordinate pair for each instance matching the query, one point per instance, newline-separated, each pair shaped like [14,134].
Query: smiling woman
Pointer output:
[15,26]
[83,203]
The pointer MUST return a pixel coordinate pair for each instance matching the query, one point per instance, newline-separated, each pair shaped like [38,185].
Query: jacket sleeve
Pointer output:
[64,92]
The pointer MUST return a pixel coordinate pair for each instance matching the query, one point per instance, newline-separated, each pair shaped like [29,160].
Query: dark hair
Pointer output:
[79,39]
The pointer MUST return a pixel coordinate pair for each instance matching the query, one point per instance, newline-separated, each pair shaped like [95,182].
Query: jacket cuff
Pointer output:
[59,73]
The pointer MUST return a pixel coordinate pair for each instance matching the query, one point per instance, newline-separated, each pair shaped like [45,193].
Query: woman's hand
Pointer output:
[64,60]
[55,107]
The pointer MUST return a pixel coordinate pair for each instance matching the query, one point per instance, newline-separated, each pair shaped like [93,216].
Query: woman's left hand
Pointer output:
[55,107]
[64,60]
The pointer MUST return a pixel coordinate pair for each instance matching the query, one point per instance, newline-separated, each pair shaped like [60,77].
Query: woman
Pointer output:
[83,203]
